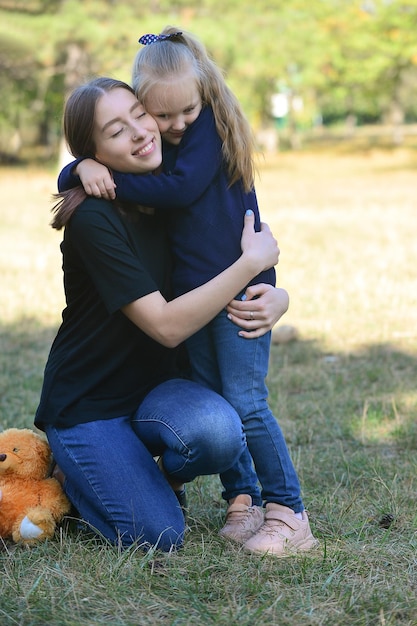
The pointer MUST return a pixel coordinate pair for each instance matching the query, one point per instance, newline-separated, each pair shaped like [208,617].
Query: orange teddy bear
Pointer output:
[31,504]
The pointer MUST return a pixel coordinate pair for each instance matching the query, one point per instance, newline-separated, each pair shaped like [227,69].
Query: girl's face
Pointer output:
[174,105]
[126,137]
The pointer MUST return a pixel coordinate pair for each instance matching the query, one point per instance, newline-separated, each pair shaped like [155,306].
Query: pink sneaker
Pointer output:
[282,533]
[242,519]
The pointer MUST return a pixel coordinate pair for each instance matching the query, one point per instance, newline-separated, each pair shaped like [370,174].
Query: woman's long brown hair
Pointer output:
[78,125]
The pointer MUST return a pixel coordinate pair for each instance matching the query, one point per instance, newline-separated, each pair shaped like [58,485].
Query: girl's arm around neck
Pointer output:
[68,179]
[198,162]
[170,323]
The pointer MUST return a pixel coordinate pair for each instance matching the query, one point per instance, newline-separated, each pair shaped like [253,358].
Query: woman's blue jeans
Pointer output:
[112,479]
[237,368]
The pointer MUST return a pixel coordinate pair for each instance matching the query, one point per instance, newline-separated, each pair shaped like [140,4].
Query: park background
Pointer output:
[330,90]
[298,67]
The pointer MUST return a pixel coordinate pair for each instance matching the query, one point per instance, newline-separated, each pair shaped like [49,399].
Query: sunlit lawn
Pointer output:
[345,393]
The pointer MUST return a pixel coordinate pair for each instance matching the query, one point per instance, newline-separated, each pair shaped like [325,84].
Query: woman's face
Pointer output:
[127,138]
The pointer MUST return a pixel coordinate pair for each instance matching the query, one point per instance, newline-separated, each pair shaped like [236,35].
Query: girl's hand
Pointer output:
[259,248]
[261,309]
[96,179]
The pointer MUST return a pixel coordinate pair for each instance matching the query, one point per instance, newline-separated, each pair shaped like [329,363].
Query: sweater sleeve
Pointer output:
[198,162]
[67,179]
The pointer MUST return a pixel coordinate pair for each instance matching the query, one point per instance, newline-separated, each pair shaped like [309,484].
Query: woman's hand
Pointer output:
[260,249]
[261,309]
[96,179]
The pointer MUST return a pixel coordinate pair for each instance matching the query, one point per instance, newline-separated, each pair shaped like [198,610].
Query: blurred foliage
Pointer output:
[338,59]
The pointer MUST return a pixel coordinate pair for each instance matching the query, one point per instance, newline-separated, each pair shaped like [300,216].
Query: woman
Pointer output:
[112,399]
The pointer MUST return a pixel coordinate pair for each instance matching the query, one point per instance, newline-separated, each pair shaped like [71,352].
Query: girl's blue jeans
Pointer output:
[112,478]
[237,368]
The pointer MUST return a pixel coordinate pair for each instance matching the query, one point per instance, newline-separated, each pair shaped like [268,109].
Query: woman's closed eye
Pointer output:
[117,132]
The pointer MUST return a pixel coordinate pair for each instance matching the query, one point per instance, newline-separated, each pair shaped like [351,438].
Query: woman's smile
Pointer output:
[146,149]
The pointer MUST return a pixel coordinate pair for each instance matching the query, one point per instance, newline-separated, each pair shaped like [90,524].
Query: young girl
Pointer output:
[208,178]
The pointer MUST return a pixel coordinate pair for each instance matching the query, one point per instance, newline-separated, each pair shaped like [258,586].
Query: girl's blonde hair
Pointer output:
[164,59]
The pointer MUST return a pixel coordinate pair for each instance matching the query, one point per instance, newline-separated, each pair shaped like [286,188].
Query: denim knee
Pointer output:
[197,429]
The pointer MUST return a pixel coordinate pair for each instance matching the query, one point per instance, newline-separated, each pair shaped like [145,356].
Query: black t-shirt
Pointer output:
[101,365]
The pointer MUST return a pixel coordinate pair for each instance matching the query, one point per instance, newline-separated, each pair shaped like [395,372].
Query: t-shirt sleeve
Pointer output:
[198,162]
[108,253]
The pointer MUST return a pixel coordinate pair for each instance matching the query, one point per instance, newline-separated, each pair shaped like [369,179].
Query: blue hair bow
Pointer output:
[145,40]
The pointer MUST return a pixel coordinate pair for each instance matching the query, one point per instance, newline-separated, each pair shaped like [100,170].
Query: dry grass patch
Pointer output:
[344,392]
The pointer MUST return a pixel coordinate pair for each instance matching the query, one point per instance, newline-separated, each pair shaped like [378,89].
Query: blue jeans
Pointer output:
[237,368]
[112,479]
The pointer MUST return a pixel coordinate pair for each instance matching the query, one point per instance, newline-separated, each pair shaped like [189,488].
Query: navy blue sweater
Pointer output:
[206,215]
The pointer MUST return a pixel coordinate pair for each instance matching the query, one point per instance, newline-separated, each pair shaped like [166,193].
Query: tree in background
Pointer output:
[331,60]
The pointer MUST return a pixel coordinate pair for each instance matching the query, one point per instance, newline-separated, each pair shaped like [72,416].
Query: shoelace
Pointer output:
[240,517]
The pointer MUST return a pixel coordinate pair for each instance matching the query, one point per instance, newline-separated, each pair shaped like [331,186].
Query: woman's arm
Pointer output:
[172,322]
[258,313]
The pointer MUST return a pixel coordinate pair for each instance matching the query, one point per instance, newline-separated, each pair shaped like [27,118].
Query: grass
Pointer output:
[345,393]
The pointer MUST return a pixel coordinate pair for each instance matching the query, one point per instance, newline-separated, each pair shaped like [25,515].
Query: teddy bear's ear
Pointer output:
[31,448]
[43,457]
